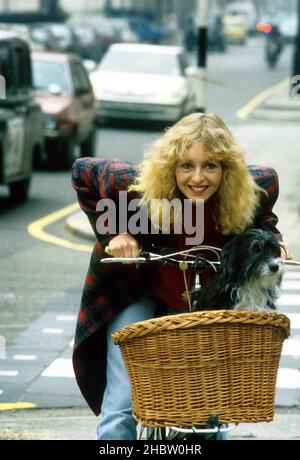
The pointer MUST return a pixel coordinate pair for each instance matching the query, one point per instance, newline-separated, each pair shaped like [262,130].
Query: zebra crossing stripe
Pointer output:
[289,300]
[291,347]
[288,378]
[291,285]
[60,367]
[294,319]
[292,275]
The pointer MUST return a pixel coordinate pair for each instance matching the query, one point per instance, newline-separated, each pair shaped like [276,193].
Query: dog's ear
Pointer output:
[229,266]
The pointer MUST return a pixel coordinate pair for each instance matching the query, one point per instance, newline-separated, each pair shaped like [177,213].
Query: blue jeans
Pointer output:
[116,420]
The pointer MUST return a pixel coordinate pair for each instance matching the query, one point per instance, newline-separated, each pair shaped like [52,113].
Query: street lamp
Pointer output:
[296,64]
[199,73]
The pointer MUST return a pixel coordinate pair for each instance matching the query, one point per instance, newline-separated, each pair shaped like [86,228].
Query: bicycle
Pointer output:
[181,390]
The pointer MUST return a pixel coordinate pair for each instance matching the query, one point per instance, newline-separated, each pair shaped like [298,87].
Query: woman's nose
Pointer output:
[197,175]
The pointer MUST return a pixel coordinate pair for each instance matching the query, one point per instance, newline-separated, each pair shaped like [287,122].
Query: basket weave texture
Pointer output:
[184,368]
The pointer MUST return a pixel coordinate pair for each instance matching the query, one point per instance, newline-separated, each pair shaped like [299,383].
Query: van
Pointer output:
[21,121]
[247,11]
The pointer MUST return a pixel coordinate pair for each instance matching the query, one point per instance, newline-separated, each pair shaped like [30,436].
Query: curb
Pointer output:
[58,424]
[78,224]
[278,107]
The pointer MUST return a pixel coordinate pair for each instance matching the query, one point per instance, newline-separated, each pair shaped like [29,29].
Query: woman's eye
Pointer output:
[211,165]
[186,165]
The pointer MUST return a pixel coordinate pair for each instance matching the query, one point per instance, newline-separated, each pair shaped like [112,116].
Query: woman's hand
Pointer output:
[285,251]
[124,245]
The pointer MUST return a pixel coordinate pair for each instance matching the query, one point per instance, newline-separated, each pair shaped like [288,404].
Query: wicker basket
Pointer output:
[185,368]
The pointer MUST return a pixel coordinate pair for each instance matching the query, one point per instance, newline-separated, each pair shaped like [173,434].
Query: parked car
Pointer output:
[216,39]
[87,42]
[21,31]
[146,30]
[63,39]
[54,37]
[143,82]
[235,28]
[64,91]
[106,32]
[124,33]
[21,119]
[42,36]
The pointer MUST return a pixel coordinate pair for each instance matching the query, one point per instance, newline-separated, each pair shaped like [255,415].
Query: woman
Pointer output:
[196,159]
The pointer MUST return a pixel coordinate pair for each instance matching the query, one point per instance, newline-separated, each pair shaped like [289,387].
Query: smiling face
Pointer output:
[197,176]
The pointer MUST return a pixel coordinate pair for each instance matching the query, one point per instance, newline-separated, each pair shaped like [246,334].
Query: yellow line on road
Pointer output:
[250,106]
[37,229]
[17,405]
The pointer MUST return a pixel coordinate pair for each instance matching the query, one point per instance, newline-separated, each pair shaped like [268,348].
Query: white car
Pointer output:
[140,81]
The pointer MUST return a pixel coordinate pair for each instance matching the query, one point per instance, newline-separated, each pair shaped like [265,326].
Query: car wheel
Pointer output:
[39,157]
[19,190]
[88,147]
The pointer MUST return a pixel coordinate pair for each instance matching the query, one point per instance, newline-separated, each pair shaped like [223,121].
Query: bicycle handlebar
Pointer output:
[146,257]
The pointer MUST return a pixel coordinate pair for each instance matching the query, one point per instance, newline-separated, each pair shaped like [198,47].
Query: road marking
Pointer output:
[294,319]
[291,347]
[244,112]
[60,367]
[292,275]
[37,229]
[291,285]
[25,357]
[9,373]
[66,318]
[18,405]
[288,378]
[289,300]
[52,330]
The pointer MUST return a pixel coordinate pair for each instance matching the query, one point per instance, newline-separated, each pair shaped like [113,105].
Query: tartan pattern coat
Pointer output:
[110,288]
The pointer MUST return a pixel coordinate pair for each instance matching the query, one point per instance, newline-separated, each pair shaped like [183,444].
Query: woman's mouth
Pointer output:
[199,189]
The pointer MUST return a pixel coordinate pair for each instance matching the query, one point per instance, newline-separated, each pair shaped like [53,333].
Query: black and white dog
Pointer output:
[249,275]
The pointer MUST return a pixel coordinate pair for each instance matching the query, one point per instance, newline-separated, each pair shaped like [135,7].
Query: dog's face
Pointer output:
[252,255]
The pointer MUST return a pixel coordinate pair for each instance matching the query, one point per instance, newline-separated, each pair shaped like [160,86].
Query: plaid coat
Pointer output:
[109,288]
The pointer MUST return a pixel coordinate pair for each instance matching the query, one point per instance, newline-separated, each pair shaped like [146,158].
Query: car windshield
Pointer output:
[137,62]
[47,74]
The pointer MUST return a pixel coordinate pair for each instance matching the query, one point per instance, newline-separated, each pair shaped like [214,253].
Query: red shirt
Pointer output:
[168,283]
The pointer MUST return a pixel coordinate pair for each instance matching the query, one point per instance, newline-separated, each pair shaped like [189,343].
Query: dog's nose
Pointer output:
[274,267]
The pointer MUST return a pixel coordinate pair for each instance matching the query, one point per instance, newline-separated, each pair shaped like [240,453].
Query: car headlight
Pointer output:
[171,97]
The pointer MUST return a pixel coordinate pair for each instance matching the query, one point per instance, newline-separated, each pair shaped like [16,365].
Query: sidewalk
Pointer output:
[80,424]
[279,107]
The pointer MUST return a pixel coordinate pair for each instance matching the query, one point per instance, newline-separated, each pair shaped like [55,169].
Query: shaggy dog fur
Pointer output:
[249,275]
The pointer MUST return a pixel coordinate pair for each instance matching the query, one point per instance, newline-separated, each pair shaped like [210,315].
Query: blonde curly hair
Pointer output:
[237,198]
